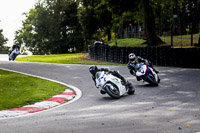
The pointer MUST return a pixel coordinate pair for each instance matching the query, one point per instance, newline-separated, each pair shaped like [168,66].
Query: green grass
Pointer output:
[77,58]
[129,42]
[182,41]
[17,90]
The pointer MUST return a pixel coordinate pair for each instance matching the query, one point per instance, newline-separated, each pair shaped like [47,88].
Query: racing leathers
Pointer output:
[15,46]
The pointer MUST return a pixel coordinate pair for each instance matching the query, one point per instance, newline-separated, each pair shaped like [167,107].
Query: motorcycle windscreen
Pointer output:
[98,75]
[141,71]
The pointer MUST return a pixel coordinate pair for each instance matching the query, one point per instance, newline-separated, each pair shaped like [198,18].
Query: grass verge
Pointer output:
[128,42]
[17,90]
[181,41]
[76,58]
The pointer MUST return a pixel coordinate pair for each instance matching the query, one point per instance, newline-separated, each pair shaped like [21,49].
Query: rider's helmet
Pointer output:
[93,69]
[17,43]
[132,57]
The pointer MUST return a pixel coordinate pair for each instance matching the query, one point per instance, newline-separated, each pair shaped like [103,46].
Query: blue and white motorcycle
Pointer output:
[147,74]
[112,85]
[13,54]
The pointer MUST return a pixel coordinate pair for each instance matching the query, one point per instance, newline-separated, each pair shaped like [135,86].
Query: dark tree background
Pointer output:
[62,26]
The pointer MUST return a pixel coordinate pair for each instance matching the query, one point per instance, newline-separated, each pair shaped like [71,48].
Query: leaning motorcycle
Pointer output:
[112,85]
[13,54]
[147,74]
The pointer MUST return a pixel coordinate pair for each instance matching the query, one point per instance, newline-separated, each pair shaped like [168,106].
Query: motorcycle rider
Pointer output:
[16,45]
[93,70]
[133,60]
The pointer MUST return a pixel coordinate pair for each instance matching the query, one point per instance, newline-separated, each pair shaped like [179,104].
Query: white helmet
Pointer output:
[17,43]
[132,57]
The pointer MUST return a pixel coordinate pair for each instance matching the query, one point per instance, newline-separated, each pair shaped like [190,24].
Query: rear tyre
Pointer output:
[112,91]
[131,89]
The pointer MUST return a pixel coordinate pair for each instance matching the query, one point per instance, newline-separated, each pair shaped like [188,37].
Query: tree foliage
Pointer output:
[51,27]
[3,41]
[58,26]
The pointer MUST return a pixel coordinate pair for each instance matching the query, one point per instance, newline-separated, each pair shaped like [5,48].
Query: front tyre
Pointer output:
[112,91]
[14,56]
[151,80]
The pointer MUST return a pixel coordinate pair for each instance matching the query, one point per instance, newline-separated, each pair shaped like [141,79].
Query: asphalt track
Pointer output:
[172,107]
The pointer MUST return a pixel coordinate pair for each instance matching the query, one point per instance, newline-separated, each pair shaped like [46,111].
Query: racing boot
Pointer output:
[158,79]
[123,82]
[126,83]
[102,92]
[138,78]
[155,70]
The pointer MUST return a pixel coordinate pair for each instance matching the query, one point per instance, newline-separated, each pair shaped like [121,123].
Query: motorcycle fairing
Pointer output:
[117,82]
[141,71]
[149,71]
[103,79]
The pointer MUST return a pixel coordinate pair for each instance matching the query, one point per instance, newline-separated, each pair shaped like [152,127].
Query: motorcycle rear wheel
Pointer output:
[131,89]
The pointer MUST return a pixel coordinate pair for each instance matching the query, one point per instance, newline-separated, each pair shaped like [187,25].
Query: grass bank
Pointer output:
[17,90]
[128,42]
[76,58]
[181,41]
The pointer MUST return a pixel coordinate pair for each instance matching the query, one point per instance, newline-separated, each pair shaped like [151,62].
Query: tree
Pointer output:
[105,17]
[88,20]
[55,26]
[51,27]
[149,24]
[3,40]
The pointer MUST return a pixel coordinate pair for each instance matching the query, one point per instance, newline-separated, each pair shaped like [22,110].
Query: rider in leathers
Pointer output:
[93,70]
[16,45]
[133,60]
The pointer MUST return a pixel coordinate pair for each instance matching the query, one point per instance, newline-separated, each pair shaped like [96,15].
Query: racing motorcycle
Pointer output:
[13,54]
[147,74]
[112,85]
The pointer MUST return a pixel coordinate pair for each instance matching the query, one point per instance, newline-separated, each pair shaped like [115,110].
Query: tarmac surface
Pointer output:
[172,107]
[4,57]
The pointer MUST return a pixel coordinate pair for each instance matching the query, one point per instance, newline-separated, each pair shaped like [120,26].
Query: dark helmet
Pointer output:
[93,69]
[132,57]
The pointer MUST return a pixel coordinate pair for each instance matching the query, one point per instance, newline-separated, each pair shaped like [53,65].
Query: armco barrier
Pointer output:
[161,56]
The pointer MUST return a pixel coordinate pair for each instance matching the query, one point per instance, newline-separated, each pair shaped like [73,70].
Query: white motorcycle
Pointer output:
[147,74]
[13,54]
[112,85]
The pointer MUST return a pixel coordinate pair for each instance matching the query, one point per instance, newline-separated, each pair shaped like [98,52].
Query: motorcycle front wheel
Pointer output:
[151,80]
[112,91]
[14,56]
